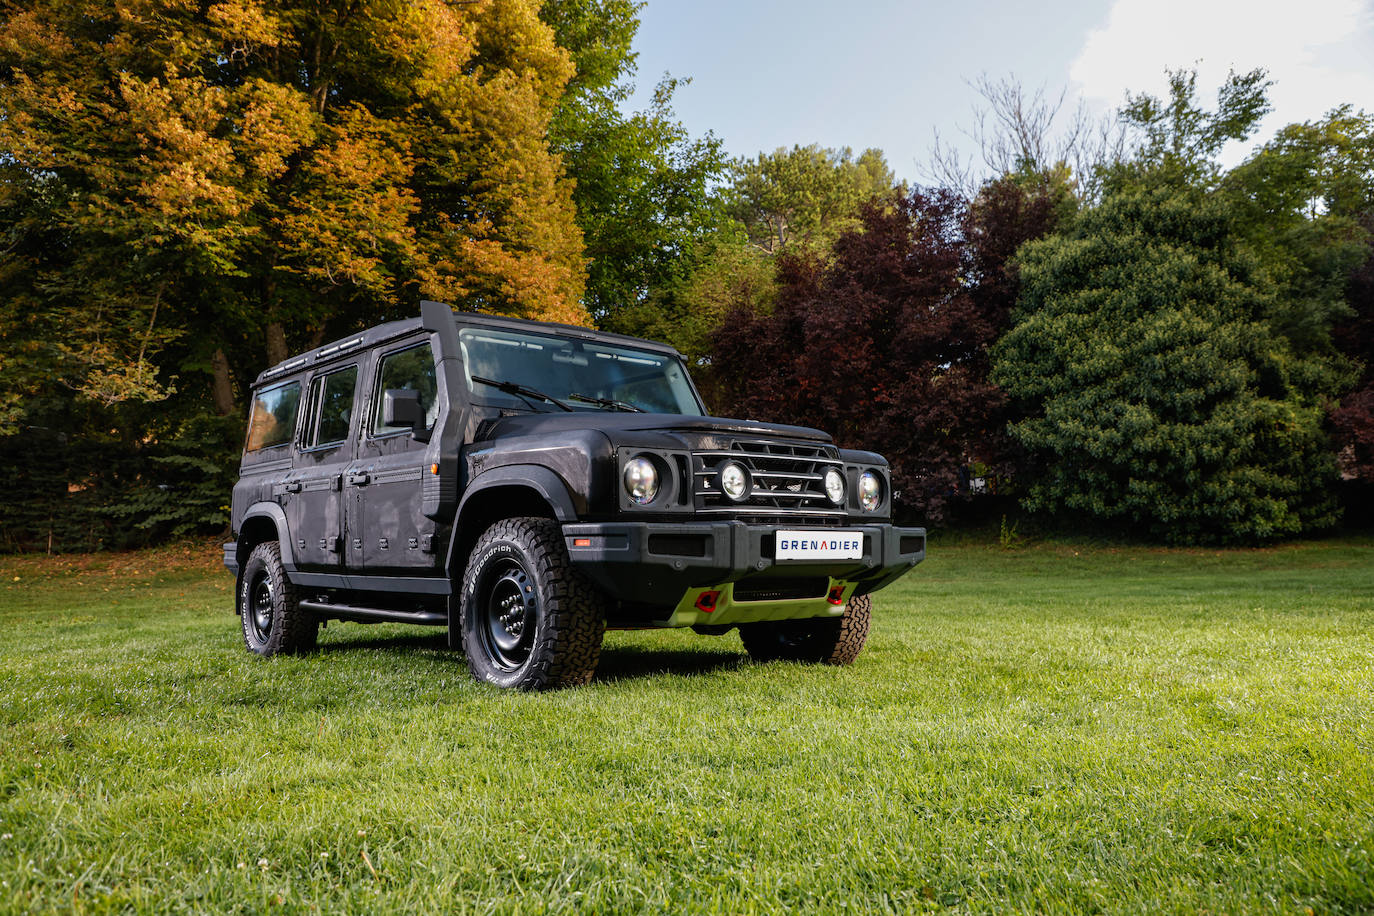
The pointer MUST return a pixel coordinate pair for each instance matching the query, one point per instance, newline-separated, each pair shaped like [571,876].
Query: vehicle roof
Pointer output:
[378,334]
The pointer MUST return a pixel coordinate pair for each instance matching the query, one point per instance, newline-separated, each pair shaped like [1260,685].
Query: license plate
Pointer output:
[819,545]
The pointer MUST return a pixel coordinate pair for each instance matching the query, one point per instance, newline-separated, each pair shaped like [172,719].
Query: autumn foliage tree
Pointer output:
[886,345]
[190,191]
[216,184]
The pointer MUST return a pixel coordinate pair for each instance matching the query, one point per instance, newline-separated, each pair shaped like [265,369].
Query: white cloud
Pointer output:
[1320,53]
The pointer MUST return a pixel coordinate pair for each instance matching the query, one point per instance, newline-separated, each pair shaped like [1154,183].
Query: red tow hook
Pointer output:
[706,601]
[836,596]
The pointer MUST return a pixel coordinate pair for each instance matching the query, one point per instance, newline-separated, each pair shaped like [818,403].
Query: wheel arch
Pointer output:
[507,492]
[264,522]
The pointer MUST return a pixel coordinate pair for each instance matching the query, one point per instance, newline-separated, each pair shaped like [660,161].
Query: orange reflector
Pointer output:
[836,595]
[434,468]
[582,542]
[706,601]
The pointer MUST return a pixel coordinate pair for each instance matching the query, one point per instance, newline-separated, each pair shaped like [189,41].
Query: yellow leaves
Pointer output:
[277,122]
[352,210]
[530,278]
[187,173]
[244,24]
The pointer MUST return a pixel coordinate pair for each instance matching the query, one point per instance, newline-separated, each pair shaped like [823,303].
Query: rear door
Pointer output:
[325,450]
[388,531]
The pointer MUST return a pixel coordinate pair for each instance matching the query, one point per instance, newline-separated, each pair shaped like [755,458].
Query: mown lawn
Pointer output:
[1058,728]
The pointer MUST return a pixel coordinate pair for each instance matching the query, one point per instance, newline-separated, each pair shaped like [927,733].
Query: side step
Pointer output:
[374,614]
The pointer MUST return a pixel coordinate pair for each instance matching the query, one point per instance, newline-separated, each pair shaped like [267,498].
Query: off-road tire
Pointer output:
[827,640]
[269,609]
[528,618]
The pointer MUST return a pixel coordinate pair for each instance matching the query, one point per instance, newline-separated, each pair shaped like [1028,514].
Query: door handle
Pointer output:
[359,478]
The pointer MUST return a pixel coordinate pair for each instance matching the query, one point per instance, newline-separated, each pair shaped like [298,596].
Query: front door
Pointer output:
[388,531]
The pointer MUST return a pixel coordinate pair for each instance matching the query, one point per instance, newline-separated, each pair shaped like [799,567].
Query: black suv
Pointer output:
[528,485]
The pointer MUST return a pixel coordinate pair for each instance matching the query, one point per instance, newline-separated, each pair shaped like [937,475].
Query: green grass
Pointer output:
[1052,729]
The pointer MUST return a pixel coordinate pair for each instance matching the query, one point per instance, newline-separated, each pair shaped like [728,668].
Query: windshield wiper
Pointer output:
[521,391]
[609,403]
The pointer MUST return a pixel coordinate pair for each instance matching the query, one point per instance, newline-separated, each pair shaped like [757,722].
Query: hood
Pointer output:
[608,421]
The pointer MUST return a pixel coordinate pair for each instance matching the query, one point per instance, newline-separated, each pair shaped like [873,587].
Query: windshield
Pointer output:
[585,374]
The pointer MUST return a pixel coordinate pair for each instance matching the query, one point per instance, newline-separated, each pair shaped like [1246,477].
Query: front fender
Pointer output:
[543,481]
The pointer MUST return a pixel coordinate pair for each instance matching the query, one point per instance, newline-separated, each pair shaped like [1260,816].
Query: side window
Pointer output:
[413,369]
[273,418]
[334,393]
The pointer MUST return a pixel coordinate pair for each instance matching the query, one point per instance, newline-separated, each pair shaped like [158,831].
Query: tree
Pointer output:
[805,195]
[1155,392]
[1354,416]
[189,192]
[207,185]
[643,183]
[1305,204]
[1178,138]
[1021,131]
[885,343]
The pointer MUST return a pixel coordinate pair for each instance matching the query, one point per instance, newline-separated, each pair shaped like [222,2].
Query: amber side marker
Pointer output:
[582,542]
[434,468]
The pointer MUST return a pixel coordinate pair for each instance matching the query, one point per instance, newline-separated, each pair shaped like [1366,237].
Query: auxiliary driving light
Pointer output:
[834,486]
[734,480]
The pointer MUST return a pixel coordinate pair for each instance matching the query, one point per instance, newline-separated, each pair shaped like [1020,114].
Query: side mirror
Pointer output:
[401,407]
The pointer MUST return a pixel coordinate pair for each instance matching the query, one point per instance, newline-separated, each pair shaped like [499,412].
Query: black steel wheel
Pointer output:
[828,640]
[529,620]
[510,608]
[273,621]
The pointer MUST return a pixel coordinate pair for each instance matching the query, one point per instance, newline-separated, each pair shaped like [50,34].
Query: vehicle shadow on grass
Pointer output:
[621,663]
[624,663]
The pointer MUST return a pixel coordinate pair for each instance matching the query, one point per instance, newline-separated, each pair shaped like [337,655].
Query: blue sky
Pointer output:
[889,74]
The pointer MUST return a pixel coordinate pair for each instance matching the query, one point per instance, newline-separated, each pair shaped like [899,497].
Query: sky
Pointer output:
[891,74]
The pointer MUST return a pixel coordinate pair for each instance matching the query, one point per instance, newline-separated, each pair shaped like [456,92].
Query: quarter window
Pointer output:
[273,418]
[408,369]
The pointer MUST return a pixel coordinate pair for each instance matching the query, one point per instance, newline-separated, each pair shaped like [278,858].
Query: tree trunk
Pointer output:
[222,389]
[276,343]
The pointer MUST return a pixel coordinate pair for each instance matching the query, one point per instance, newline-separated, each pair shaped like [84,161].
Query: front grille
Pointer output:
[787,480]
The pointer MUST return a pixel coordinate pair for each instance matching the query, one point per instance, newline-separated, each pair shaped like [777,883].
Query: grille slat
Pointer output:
[788,479]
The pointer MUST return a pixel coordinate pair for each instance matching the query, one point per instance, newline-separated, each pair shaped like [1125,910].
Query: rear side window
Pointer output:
[413,369]
[273,418]
[334,394]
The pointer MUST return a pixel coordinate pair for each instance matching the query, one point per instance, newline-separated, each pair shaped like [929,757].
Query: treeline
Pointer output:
[1111,329]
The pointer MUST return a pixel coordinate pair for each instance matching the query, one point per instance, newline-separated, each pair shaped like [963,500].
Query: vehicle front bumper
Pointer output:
[654,564]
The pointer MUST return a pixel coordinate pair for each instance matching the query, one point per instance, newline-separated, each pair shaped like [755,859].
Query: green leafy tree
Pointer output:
[643,183]
[1154,389]
[805,195]
[790,201]
[1169,376]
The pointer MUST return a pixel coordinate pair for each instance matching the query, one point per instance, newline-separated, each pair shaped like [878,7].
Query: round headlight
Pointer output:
[834,486]
[641,480]
[734,481]
[870,491]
